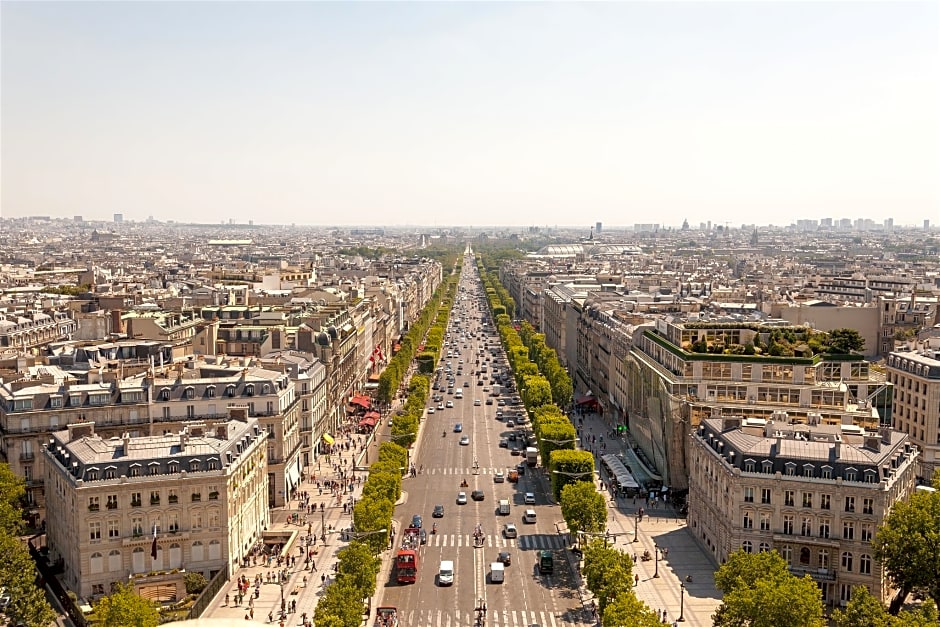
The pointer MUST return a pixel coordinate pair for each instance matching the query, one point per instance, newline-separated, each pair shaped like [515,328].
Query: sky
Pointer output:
[475,114]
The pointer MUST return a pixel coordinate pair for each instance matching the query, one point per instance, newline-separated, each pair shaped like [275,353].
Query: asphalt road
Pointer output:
[525,597]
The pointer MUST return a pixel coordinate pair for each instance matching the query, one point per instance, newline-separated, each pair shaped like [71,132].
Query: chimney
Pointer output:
[873,443]
[885,434]
[117,323]
[837,450]
[127,443]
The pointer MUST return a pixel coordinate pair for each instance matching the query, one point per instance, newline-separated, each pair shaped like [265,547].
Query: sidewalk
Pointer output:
[660,527]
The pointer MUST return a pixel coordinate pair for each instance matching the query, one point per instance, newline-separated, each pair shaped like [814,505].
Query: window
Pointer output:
[747,546]
[112,501]
[210,391]
[824,525]
[173,520]
[806,526]
[807,499]
[92,474]
[847,561]
[850,503]
[868,506]
[195,519]
[749,465]
[109,472]
[190,411]
[194,465]
[748,520]
[848,530]
[154,497]
[196,497]
[230,390]
[213,464]
[114,530]
[94,531]
[213,492]
[154,469]
[824,501]
[213,518]
[765,496]
[764,547]
[850,474]
[93,504]
[190,393]
[748,495]
[173,467]
[137,525]
[808,470]
[788,498]
[764,522]
[172,496]
[790,469]
[250,389]
[135,499]
[827,472]
[55,401]
[786,553]
[824,558]
[864,564]
[866,532]
[788,525]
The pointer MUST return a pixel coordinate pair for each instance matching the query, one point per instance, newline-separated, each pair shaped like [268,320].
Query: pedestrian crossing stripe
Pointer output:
[468,471]
[505,618]
[523,542]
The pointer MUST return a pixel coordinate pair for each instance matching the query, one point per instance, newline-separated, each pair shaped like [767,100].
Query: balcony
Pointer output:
[94,507]
[136,504]
[818,574]
[112,504]
[27,456]
[173,499]
[154,501]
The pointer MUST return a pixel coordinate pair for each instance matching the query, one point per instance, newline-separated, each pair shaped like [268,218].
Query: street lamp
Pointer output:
[681,618]
[656,572]
[636,527]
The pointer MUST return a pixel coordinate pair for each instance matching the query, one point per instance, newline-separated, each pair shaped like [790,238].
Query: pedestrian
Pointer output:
[226,599]
[323,578]
[636,580]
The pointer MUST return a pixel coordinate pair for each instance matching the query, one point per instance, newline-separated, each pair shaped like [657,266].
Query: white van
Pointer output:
[459,393]
[445,576]
[528,516]
[497,572]
[504,507]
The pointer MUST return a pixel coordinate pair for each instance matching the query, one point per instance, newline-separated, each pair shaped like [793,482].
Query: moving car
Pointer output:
[529,498]
[458,427]
[450,404]
[499,477]
[505,558]
[476,402]
[462,498]
[465,440]
[430,410]
[416,521]
[438,511]
[477,495]
[510,531]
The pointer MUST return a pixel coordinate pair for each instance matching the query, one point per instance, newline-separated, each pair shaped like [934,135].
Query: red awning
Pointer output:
[373,414]
[367,421]
[362,401]
[586,400]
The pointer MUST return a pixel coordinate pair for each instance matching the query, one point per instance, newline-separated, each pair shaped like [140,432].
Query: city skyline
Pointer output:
[482,114]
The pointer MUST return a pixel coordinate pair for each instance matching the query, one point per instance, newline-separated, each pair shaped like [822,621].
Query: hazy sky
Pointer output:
[471,113]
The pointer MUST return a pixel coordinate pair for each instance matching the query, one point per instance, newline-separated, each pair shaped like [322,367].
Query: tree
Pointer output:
[372,515]
[759,591]
[608,573]
[864,610]
[845,341]
[12,490]
[908,546]
[195,582]
[340,604]
[359,567]
[626,609]
[568,466]
[583,508]
[124,608]
[28,603]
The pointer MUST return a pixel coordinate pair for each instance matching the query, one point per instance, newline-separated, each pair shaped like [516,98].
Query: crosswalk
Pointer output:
[529,542]
[504,618]
[469,472]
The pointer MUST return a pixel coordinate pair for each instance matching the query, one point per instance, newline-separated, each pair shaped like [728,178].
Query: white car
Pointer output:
[430,410]
[465,440]
[529,498]
[450,404]
[476,402]
[461,498]
[510,531]
[499,476]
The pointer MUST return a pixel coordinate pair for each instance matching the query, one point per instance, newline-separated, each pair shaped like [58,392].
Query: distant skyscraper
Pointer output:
[78,219]
[119,217]
[926,225]
[599,227]
[889,224]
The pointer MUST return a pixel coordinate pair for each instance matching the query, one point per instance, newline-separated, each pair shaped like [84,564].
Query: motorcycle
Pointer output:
[464,484]
[444,434]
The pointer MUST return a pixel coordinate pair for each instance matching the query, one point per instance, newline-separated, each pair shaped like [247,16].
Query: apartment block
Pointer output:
[814,493]
[150,508]
[916,378]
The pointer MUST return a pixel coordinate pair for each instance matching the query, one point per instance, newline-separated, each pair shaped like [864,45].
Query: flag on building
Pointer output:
[153,547]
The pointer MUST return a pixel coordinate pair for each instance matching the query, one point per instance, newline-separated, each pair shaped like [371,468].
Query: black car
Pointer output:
[504,443]
[505,557]
[438,511]
[477,495]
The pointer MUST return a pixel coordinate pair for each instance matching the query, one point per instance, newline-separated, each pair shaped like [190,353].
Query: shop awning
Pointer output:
[368,421]
[362,401]
[586,400]
[328,438]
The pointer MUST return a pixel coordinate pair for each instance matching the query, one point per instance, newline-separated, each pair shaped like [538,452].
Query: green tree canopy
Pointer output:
[125,608]
[569,466]
[908,546]
[359,567]
[340,606]
[759,591]
[583,507]
[626,609]
[843,341]
[864,610]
